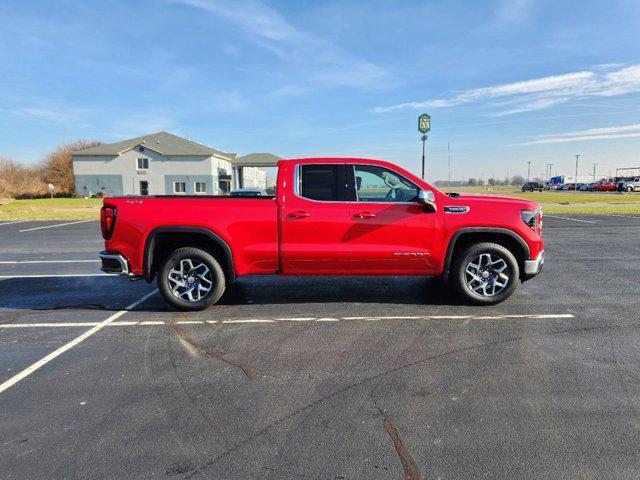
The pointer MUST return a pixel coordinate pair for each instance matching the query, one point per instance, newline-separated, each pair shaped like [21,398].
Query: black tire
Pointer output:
[216,275]
[459,276]
[629,189]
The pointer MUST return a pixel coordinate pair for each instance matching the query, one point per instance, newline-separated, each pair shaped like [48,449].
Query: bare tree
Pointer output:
[57,167]
[19,181]
[517,180]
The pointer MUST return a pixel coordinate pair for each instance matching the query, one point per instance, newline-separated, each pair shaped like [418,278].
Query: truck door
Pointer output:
[390,231]
[315,221]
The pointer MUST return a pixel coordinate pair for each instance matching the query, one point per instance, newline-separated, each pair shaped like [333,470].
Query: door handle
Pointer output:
[300,214]
[365,215]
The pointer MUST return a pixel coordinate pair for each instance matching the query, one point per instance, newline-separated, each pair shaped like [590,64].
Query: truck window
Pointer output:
[378,184]
[319,182]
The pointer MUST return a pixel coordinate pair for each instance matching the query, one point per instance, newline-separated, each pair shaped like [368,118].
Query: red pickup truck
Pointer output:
[330,216]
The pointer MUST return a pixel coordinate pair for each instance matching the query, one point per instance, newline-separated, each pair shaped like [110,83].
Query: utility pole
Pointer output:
[549,165]
[594,171]
[576,182]
[528,171]
[449,154]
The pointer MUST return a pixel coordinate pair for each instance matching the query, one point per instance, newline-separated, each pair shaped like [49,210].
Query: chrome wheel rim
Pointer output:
[190,280]
[487,275]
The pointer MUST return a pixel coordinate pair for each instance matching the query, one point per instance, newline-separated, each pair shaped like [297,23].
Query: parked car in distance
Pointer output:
[248,192]
[629,185]
[531,186]
[330,216]
[605,186]
[587,187]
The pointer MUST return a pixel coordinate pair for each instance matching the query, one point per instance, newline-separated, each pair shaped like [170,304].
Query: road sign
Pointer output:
[424,123]
[51,187]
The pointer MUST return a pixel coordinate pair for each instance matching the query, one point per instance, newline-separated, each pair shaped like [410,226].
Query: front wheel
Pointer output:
[191,279]
[485,274]
[629,189]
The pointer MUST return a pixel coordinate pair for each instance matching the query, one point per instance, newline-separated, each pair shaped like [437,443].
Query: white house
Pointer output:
[159,164]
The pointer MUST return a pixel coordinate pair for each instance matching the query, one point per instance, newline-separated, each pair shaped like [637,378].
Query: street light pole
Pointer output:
[424,142]
[549,165]
[528,171]
[594,171]
[576,182]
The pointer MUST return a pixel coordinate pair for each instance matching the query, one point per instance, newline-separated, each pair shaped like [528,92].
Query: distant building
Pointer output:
[160,164]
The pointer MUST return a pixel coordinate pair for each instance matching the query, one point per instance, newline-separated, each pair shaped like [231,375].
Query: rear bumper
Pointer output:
[533,267]
[114,263]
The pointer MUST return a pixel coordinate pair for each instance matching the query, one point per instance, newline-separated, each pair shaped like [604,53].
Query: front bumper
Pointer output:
[114,263]
[533,267]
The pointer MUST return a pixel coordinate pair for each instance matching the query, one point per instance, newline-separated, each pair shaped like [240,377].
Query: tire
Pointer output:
[629,189]
[470,289]
[195,288]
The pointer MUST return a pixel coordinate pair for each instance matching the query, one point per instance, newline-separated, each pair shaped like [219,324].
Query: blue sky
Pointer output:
[506,81]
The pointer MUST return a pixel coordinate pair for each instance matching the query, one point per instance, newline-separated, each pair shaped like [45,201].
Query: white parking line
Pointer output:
[16,262]
[57,275]
[149,323]
[54,226]
[14,222]
[572,219]
[28,371]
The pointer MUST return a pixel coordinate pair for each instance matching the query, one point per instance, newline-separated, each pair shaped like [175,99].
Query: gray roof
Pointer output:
[164,143]
[257,160]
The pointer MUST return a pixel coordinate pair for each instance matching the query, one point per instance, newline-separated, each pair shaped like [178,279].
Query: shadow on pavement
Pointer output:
[105,293]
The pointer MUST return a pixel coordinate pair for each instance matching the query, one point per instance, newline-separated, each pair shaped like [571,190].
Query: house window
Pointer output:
[179,187]
[200,187]
[143,163]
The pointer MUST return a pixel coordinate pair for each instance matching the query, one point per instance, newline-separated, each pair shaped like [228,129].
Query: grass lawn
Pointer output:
[552,202]
[566,201]
[50,209]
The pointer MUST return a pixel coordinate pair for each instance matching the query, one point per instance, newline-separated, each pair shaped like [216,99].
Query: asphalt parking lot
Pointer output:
[320,378]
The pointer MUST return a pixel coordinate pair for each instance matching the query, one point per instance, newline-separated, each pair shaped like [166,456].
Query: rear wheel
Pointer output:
[191,279]
[485,274]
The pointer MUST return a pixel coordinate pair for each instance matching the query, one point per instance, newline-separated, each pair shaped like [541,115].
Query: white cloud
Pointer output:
[253,15]
[585,138]
[50,115]
[514,10]
[540,93]
[324,63]
[597,131]
[604,133]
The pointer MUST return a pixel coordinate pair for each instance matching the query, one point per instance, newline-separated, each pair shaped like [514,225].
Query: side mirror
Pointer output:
[428,199]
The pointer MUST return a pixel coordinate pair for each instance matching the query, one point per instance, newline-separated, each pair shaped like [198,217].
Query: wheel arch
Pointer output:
[162,240]
[502,236]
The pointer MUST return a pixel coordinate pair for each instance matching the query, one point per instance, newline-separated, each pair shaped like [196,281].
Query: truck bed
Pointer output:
[248,223]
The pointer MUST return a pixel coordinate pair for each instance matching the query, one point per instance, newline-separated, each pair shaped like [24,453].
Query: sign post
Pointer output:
[51,187]
[424,125]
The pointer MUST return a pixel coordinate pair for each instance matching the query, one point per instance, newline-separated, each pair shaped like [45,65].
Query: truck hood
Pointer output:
[488,200]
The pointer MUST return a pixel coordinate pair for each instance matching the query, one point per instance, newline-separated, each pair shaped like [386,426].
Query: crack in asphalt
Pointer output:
[346,388]
[210,351]
[13,316]
[411,469]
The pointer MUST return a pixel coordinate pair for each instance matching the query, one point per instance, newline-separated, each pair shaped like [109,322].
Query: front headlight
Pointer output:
[533,218]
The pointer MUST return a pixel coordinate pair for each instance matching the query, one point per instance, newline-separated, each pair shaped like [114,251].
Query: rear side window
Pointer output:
[320,182]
